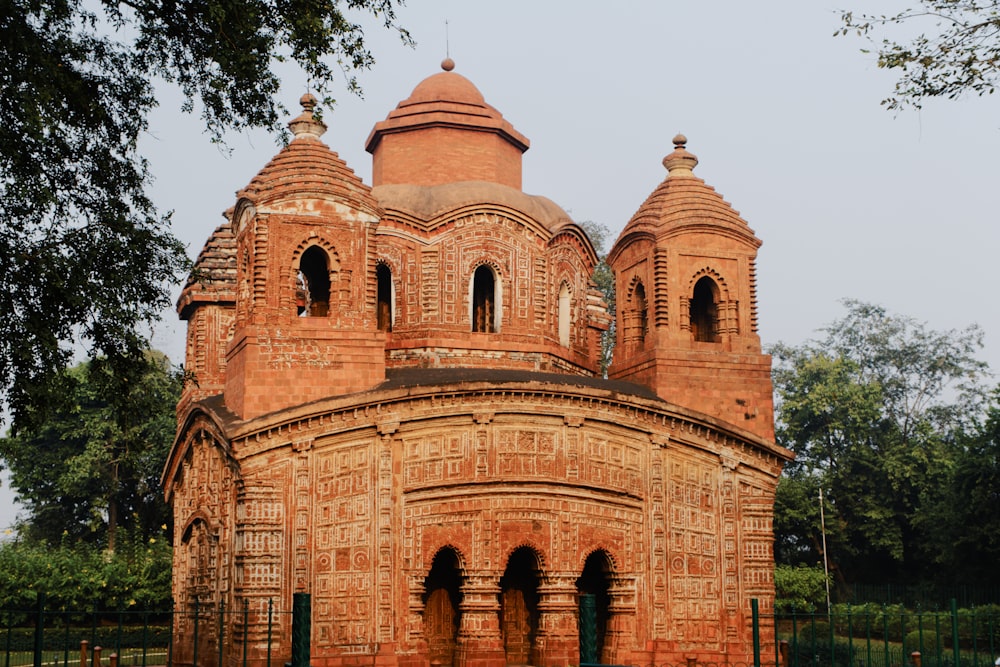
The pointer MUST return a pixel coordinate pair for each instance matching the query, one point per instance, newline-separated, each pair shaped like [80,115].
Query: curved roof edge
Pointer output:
[215,417]
[428,202]
[414,383]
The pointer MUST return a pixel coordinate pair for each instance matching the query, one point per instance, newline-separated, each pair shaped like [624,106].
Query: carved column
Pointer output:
[557,642]
[415,618]
[302,560]
[621,628]
[386,595]
[731,599]
[479,640]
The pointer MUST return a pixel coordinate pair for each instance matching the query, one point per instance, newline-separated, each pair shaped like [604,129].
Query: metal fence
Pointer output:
[54,637]
[884,636]
[925,596]
[849,636]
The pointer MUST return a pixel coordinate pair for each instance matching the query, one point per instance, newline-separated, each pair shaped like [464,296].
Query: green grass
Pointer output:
[128,656]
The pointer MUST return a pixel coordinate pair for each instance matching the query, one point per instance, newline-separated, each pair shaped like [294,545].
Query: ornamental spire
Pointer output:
[307,124]
[680,163]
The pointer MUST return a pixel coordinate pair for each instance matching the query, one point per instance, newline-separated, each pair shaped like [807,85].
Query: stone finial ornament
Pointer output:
[306,123]
[680,163]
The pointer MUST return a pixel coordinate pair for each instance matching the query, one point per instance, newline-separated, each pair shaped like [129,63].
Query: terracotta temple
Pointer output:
[398,409]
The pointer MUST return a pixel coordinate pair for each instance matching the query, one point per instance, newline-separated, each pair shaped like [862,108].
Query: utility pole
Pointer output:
[826,565]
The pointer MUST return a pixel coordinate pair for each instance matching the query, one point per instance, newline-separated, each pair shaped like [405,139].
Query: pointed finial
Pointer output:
[447,64]
[306,123]
[680,163]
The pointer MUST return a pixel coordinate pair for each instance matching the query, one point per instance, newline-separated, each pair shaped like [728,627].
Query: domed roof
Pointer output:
[213,276]
[685,202]
[446,98]
[431,202]
[307,167]
[446,86]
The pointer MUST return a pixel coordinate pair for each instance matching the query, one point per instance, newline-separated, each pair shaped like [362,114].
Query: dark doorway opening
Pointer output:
[595,582]
[442,614]
[519,606]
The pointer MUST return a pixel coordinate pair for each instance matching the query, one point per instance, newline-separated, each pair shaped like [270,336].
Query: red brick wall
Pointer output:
[351,500]
[438,155]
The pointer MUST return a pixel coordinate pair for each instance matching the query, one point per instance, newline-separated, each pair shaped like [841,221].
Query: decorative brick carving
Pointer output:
[447,495]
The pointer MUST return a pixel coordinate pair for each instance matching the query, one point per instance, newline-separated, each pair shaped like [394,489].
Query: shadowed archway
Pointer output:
[442,596]
[519,606]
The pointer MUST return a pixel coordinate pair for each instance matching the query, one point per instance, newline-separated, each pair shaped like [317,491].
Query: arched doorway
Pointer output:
[442,596]
[593,585]
[705,311]
[519,606]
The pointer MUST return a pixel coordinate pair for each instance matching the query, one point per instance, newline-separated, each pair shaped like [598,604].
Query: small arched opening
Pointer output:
[595,601]
[442,614]
[640,310]
[484,300]
[705,311]
[313,299]
[519,606]
[564,314]
[383,277]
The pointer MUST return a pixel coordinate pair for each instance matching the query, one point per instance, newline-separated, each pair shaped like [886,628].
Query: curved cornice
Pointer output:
[444,390]
[208,416]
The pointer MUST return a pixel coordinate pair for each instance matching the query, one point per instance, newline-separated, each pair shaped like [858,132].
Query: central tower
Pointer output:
[445,132]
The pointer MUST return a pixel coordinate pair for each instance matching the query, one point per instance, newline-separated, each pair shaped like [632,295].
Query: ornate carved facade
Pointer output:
[397,411]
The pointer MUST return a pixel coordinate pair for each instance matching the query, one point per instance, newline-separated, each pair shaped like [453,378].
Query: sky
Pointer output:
[850,200]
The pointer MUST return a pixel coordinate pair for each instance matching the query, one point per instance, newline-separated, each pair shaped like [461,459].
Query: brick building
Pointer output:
[398,411]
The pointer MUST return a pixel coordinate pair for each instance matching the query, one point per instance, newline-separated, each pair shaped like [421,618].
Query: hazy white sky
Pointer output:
[849,199]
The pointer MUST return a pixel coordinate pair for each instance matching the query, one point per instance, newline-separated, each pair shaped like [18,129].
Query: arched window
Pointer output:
[564,315]
[314,283]
[641,312]
[383,276]
[484,300]
[705,311]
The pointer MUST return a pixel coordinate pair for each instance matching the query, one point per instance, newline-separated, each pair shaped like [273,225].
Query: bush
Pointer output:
[106,636]
[81,577]
[925,641]
[812,646]
[800,588]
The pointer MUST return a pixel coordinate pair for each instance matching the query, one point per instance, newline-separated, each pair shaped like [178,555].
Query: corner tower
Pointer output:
[305,324]
[685,277]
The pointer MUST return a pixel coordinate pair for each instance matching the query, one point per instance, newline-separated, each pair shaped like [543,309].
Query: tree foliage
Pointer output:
[85,257]
[605,281]
[876,413]
[941,48]
[94,465]
[964,516]
[799,587]
[81,578]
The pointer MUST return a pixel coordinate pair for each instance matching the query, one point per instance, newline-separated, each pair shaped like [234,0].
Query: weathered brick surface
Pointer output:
[683,234]
[445,132]
[446,495]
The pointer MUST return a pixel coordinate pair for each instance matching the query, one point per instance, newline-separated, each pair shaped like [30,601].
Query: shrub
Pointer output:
[81,577]
[925,641]
[801,588]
